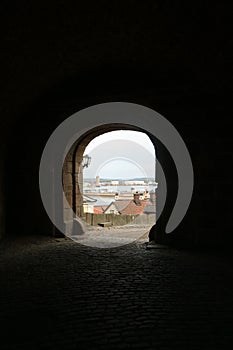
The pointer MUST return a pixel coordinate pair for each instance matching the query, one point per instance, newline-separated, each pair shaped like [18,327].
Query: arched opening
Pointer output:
[109,181]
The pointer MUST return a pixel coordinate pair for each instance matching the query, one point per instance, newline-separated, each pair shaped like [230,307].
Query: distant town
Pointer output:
[135,196]
[99,182]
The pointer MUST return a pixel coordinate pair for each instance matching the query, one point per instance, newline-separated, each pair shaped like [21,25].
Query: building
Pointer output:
[99,209]
[150,208]
[134,182]
[88,204]
[134,206]
[114,182]
[117,207]
[88,208]
[97,181]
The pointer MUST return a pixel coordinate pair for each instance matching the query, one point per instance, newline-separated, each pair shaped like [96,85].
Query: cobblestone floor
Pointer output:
[111,237]
[57,294]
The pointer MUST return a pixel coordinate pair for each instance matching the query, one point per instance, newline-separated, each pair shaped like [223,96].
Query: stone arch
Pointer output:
[73,133]
[72,167]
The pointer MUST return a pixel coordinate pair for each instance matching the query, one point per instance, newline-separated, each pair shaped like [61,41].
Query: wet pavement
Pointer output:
[58,294]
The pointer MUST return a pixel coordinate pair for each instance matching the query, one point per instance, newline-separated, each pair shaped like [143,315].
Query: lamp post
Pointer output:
[86,161]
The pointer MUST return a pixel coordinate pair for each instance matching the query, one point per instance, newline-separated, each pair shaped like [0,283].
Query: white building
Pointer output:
[134,182]
[88,208]
[114,182]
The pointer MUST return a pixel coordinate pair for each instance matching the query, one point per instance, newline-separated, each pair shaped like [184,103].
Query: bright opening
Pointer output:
[119,187]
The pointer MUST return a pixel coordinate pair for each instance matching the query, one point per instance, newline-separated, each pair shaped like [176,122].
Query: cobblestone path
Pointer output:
[57,294]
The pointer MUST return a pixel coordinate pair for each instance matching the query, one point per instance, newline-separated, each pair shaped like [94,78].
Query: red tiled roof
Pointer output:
[99,209]
[121,204]
[133,209]
[129,207]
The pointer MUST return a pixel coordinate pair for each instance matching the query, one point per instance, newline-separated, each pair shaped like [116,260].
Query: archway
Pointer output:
[73,184]
[134,209]
[84,125]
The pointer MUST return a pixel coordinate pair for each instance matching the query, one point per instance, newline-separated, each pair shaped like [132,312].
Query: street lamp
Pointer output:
[86,161]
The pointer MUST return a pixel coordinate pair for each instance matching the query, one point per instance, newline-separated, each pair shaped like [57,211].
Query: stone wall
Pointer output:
[2,201]
[119,220]
[174,59]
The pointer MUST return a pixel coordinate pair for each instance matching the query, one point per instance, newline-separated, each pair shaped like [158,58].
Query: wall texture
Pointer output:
[2,199]
[118,220]
[174,58]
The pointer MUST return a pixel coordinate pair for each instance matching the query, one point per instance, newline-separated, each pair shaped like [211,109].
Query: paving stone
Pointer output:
[62,295]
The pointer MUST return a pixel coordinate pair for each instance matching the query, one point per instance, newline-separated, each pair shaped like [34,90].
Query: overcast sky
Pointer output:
[121,154]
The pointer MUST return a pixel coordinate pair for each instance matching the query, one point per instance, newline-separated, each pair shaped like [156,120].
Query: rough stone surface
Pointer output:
[57,294]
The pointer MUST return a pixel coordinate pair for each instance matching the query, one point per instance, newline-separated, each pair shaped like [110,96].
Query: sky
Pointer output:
[120,154]
[135,136]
